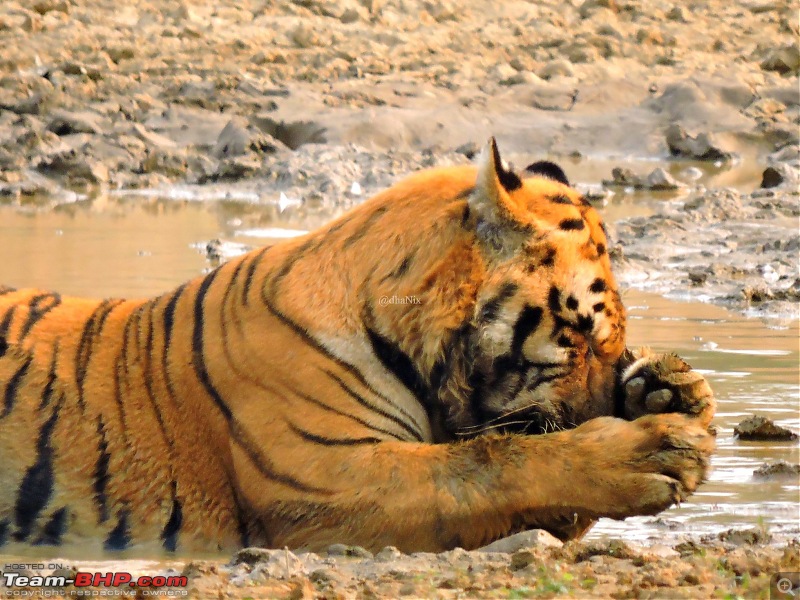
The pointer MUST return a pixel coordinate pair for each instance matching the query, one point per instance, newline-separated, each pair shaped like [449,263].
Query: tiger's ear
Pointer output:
[497,228]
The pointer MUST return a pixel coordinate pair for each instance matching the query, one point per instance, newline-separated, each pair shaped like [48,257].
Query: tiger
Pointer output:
[440,367]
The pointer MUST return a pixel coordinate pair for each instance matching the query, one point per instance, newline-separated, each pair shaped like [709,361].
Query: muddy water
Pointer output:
[123,246]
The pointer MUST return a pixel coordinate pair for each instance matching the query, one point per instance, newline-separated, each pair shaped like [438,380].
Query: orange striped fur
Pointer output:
[434,369]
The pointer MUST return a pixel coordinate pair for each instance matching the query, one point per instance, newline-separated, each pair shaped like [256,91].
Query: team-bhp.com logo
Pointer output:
[120,583]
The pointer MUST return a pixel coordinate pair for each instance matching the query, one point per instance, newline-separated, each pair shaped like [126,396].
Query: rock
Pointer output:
[556,68]
[762,429]
[784,60]
[780,175]
[621,177]
[293,134]
[741,537]
[237,139]
[527,539]
[388,554]
[470,150]
[659,179]
[66,123]
[75,167]
[521,559]
[503,72]
[304,36]
[700,147]
[587,8]
[303,590]
[678,13]
[344,550]
[776,470]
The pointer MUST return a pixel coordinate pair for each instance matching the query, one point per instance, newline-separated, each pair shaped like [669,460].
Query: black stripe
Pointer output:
[251,272]
[376,409]
[352,370]
[341,413]
[238,434]
[599,307]
[38,307]
[12,387]
[148,378]
[4,289]
[326,441]
[585,323]
[119,538]
[598,285]
[169,535]
[399,364]
[554,299]
[401,269]
[601,249]
[101,476]
[198,360]
[5,324]
[550,258]
[560,199]
[490,311]
[91,331]
[571,224]
[37,484]
[529,319]
[47,393]
[54,529]
[572,302]
[363,230]
[169,317]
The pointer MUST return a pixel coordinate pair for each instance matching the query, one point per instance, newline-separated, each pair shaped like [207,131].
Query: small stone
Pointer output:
[659,179]
[678,13]
[345,550]
[66,123]
[303,590]
[784,60]
[524,539]
[521,559]
[556,68]
[388,554]
[701,147]
[762,429]
[777,469]
[304,36]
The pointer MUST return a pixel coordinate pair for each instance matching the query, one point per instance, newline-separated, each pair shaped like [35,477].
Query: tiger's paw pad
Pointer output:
[661,383]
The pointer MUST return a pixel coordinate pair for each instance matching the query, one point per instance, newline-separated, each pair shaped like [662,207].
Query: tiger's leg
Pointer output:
[439,496]
[660,383]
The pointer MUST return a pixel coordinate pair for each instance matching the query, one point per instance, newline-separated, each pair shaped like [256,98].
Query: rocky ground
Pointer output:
[328,101]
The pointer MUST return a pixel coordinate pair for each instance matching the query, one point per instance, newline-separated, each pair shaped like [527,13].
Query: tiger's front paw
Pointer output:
[641,467]
[665,383]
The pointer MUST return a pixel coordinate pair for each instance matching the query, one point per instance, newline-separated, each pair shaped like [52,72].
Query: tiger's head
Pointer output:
[487,293]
